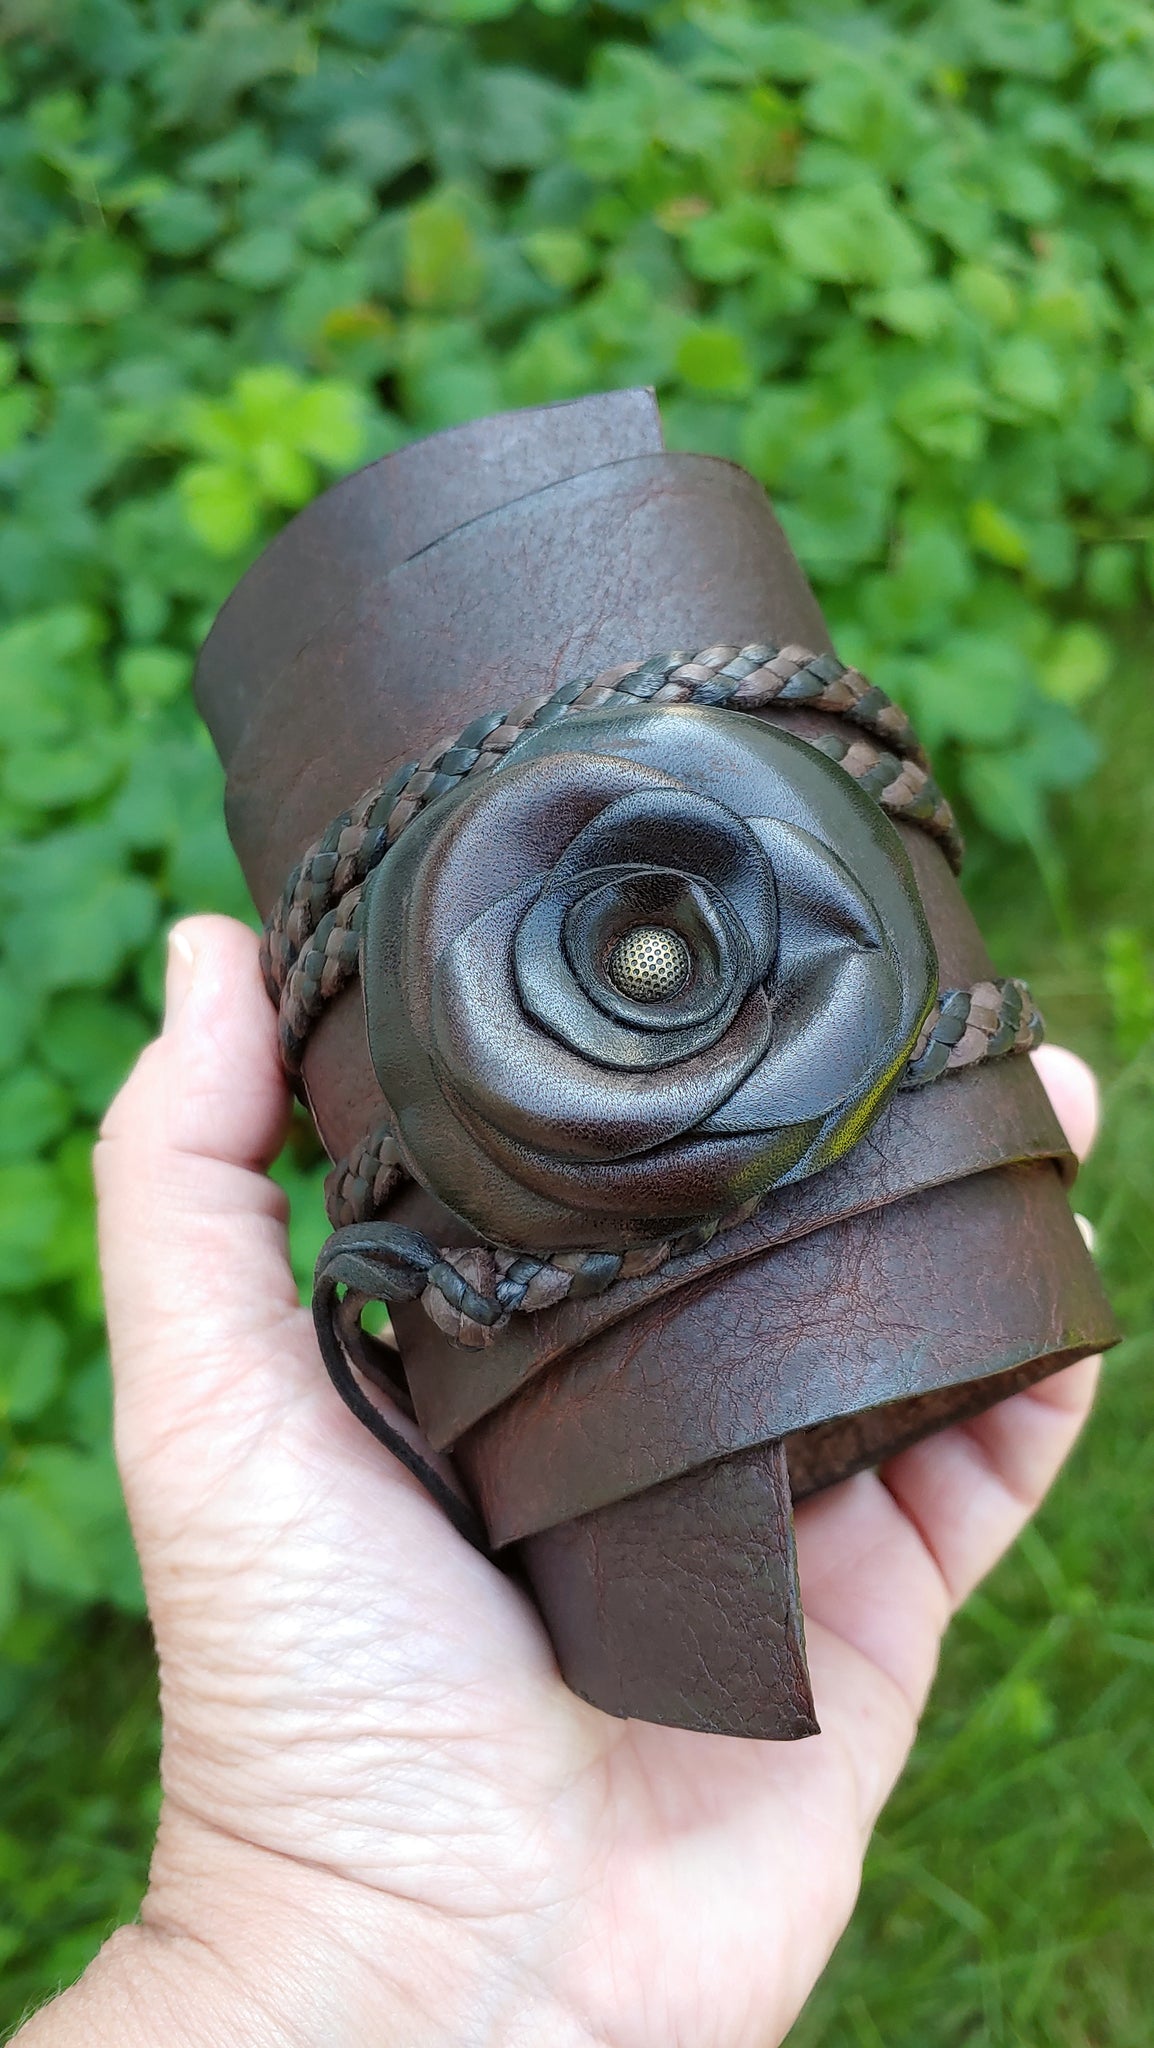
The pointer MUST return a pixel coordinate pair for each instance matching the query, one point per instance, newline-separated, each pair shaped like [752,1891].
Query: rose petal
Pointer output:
[677,828]
[831,1028]
[532,1088]
[581,1010]
[824,905]
[839,1019]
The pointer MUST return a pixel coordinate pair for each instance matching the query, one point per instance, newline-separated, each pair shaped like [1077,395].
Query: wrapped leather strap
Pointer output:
[470,1292]
[932,1270]
[997,1117]
[626,1411]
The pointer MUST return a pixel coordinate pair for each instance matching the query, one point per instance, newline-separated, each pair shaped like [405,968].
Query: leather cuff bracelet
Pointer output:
[630,1110]
[707,977]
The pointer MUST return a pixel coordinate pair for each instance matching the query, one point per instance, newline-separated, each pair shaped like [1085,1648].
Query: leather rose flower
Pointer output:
[659,963]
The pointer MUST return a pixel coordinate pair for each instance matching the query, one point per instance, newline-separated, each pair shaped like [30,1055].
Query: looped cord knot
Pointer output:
[379,1262]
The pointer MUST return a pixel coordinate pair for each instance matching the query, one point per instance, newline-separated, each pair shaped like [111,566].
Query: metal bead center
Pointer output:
[649,964]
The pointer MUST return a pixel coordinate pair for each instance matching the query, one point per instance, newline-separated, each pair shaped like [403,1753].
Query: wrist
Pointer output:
[237,1944]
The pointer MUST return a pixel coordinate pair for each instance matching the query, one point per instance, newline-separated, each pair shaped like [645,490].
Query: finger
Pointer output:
[970,1490]
[192,1231]
[884,1559]
[1073,1089]
[208,1336]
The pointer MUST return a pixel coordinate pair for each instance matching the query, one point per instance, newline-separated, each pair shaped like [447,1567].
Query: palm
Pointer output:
[348,1685]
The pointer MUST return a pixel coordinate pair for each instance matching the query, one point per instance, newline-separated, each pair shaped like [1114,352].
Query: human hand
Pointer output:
[385,1819]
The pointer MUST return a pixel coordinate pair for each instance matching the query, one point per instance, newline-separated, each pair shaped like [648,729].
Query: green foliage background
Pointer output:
[896,259]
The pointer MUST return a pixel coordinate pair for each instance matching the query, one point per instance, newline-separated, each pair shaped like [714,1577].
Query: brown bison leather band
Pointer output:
[633,1407]
[638,1451]
[921,1146]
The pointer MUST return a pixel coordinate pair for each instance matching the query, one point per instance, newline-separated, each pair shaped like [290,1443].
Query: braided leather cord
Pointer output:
[363,1184]
[311,951]
[971,1024]
[312,937]
[470,1293]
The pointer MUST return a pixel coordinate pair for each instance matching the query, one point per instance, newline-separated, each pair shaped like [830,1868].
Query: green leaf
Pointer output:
[331,215]
[65,1518]
[974,688]
[773,428]
[30,1211]
[1112,575]
[856,238]
[1078,661]
[780,49]
[564,257]
[90,1042]
[149,676]
[1142,409]
[34,1110]
[328,422]
[222,504]
[466,10]
[942,412]
[180,221]
[1023,188]
[1012,39]
[443,265]
[1122,87]
[84,919]
[260,260]
[43,662]
[18,411]
[1007,803]
[19,1020]
[553,363]
[1027,372]
[378,143]
[1130,988]
[715,359]
[53,778]
[730,242]
[946,198]
[203,872]
[923,310]
[521,119]
[988,293]
[1059,752]
[237,45]
[33,1348]
[283,475]
[929,573]
[997,535]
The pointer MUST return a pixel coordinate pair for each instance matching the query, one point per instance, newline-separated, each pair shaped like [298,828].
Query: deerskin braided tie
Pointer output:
[470,1293]
[311,942]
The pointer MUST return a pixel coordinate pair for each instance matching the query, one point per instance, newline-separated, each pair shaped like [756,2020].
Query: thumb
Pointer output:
[192,1231]
[211,1349]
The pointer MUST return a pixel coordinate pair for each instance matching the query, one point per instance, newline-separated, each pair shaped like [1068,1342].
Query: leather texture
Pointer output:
[792,1342]
[683,1606]
[640,1448]
[534,1099]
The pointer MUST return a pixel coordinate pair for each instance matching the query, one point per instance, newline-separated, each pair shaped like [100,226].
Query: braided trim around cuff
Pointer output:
[471,1292]
[970,1024]
[311,944]
[312,941]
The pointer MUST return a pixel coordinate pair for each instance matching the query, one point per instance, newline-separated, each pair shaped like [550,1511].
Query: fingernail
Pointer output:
[1089,1234]
[179,970]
